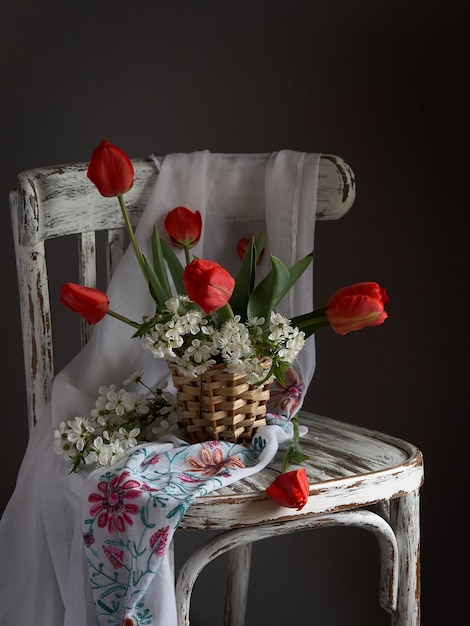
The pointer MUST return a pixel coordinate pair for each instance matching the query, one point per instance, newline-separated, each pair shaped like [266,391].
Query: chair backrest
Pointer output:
[55,201]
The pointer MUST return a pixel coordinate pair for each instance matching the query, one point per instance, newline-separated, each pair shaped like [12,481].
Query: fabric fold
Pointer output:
[131,512]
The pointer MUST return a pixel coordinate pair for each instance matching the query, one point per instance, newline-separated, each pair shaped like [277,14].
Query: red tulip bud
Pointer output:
[356,306]
[92,304]
[184,227]
[242,245]
[110,170]
[208,284]
[290,489]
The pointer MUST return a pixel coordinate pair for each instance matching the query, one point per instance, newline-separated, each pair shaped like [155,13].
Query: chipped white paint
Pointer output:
[238,542]
[349,467]
[405,520]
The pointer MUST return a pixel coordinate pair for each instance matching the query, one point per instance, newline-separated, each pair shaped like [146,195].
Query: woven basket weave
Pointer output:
[221,406]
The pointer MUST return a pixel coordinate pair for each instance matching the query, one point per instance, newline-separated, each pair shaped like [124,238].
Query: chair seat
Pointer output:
[348,467]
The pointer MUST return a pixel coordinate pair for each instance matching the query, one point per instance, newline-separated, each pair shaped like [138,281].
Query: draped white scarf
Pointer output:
[44,577]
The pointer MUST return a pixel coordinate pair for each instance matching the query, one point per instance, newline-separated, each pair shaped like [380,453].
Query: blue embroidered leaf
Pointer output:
[179,510]
[144,518]
[144,618]
[105,607]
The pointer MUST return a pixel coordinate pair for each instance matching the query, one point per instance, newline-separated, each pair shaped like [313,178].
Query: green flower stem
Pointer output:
[186,255]
[225,313]
[295,444]
[294,451]
[286,459]
[126,320]
[295,424]
[318,317]
[311,322]
[130,231]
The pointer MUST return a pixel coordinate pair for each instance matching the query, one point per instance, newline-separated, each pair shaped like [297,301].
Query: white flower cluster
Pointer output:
[120,420]
[183,335]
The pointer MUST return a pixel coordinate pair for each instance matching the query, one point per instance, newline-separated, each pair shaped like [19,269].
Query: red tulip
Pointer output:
[184,227]
[242,245]
[110,170]
[208,284]
[290,489]
[92,304]
[356,306]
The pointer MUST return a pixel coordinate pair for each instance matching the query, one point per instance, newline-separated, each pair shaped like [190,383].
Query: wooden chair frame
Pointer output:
[357,477]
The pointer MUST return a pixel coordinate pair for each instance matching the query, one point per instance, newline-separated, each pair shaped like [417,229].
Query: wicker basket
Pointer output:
[221,406]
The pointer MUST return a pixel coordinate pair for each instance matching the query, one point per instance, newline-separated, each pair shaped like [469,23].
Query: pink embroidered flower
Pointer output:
[110,505]
[286,399]
[114,555]
[159,540]
[153,460]
[191,480]
[88,539]
[212,443]
[211,463]
[147,488]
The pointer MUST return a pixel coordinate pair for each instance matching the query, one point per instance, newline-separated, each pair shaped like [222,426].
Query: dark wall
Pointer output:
[379,83]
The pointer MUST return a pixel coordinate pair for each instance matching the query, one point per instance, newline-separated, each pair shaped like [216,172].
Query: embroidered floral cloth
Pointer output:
[131,511]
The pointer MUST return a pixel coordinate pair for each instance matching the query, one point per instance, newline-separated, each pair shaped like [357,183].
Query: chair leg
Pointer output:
[236,538]
[236,593]
[235,541]
[404,518]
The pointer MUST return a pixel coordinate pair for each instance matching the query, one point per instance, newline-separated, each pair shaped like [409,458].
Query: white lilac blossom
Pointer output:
[167,426]
[120,420]
[183,335]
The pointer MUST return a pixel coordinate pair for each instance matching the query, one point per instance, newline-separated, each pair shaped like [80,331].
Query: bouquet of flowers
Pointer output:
[204,317]
[120,420]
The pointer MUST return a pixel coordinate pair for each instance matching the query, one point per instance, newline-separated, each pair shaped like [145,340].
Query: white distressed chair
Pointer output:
[357,477]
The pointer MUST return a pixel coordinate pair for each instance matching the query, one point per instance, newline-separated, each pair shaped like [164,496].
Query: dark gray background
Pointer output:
[379,83]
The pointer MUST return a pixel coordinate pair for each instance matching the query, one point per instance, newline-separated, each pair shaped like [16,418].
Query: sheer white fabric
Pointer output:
[44,578]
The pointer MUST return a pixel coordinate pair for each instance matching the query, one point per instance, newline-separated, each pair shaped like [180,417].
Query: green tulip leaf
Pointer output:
[259,246]
[276,285]
[269,291]
[159,263]
[175,267]
[296,271]
[156,289]
[244,281]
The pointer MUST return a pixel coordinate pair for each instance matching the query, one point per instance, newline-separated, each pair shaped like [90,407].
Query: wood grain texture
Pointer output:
[348,467]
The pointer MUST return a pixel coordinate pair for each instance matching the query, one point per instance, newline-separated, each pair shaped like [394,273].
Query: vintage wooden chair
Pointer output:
[357,477]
